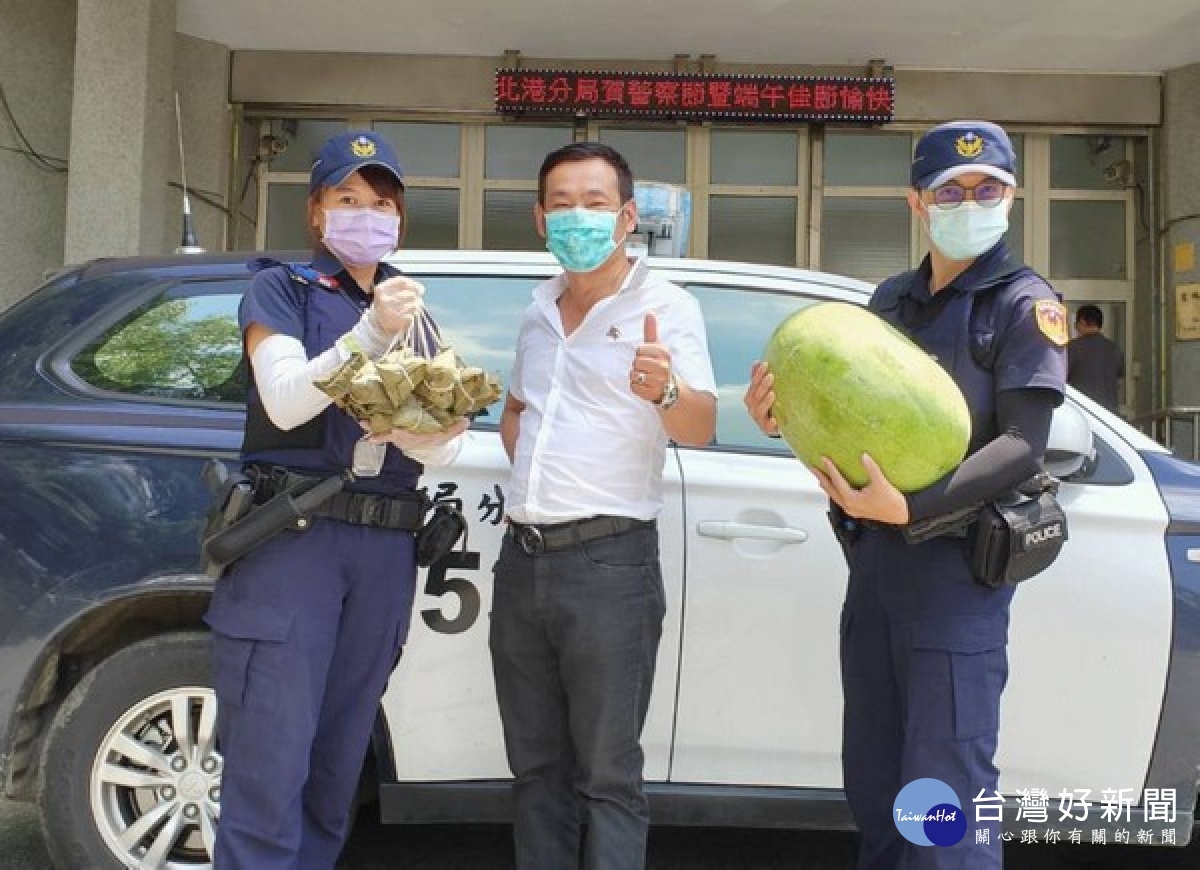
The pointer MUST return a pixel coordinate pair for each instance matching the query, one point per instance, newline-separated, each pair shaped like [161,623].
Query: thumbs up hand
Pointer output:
[651,364]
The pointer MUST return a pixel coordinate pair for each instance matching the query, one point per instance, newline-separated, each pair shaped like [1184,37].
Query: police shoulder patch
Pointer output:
[1052,320]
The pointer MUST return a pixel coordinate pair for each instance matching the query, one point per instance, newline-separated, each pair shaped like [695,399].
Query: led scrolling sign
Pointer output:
[695,95]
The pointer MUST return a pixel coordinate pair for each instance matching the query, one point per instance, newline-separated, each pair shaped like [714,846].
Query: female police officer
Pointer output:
[307,627]
[923,646]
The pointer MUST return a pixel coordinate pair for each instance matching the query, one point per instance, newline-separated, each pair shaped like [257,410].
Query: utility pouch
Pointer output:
[439,534]
[232,498]
[289,509]
[1019,536]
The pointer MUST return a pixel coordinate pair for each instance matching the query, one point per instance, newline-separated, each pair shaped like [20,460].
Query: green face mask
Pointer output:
[581,239]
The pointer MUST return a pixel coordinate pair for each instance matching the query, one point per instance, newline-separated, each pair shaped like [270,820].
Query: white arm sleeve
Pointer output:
[284,374]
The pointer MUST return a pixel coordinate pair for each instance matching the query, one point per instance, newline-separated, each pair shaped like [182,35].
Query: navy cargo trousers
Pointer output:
[306,631]
[924,662]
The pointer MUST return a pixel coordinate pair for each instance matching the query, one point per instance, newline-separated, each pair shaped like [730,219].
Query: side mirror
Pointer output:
[1069,449]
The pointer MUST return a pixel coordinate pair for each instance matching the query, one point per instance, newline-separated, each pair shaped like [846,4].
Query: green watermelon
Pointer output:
[848,383]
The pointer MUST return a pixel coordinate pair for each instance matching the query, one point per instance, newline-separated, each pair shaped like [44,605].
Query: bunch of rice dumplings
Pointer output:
[405,389]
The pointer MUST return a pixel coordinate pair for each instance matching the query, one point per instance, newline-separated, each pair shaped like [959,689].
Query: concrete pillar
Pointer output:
[1181,222]
[122,128]
[37,50]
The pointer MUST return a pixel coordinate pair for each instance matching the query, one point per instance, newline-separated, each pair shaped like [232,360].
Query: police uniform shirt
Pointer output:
[1028,336]
[316,309]
[277,301]
[1018,331]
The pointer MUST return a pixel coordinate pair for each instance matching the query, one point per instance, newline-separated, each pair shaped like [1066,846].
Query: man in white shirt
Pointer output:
[611,363]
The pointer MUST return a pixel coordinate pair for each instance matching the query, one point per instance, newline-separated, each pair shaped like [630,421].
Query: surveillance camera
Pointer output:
[1118,172]
[271,147]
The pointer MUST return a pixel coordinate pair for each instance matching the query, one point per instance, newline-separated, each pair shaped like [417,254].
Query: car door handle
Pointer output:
[729,531]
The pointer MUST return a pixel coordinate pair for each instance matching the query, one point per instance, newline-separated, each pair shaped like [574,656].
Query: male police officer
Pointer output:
[923,645]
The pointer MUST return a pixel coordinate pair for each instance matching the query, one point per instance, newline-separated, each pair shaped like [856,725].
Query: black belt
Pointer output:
[960,532]
[403,512]
[535,539]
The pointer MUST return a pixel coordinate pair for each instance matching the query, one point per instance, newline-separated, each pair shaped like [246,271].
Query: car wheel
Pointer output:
[130,773]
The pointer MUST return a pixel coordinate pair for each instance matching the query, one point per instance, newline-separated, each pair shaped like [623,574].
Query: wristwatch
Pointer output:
[670,394]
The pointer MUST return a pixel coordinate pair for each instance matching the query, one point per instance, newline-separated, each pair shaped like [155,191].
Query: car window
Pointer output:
[185,344]
[479,316]
[739,320]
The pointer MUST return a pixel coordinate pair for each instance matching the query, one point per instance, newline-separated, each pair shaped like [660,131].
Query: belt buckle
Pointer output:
[372,511]
[529,539]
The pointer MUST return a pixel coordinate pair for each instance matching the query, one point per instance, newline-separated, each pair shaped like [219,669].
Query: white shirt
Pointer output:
[586,444]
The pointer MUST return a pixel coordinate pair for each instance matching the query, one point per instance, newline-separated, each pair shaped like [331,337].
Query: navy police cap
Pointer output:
[349,152]
[950,150]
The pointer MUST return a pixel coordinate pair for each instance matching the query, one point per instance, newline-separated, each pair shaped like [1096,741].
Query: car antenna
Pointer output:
[188,244]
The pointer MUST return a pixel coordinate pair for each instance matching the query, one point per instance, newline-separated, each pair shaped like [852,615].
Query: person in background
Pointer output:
[1095,364]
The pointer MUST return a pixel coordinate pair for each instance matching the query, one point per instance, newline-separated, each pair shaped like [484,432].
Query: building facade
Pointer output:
[1107,206]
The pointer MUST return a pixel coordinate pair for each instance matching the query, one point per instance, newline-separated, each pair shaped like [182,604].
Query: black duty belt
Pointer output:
[403,512]
[960,532]
[535,539]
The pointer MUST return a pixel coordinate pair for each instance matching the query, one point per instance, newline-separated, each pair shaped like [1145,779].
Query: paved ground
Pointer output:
[458,847]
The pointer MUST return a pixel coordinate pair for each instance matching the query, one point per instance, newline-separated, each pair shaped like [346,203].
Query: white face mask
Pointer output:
[965,232]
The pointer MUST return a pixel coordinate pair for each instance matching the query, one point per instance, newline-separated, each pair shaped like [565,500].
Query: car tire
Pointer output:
[130,773]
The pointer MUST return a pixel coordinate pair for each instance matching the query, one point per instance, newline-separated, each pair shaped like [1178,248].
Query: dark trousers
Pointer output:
[574,637]
[924,662]
[306,631]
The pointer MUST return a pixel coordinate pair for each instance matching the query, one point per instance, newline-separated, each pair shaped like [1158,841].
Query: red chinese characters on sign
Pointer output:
[773,94]
[612,92]
[694,94]
[533,88]
[745,95]
[687,95]
[880,99]
[587,91]
[559,90]
[507,89]
[825,98]
[641,93]
[666,94]
[800,97]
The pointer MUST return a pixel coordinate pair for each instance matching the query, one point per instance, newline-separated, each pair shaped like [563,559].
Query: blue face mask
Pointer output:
[967,231]
[581,239]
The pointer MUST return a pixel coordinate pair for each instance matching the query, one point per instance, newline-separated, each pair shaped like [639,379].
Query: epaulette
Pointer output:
[258,264]
[299,273]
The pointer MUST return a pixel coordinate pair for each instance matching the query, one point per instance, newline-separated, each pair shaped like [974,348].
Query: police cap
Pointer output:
[347,153]
[959,147]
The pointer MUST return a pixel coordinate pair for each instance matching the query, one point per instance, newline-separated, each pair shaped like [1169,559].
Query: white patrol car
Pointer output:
[105,713]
